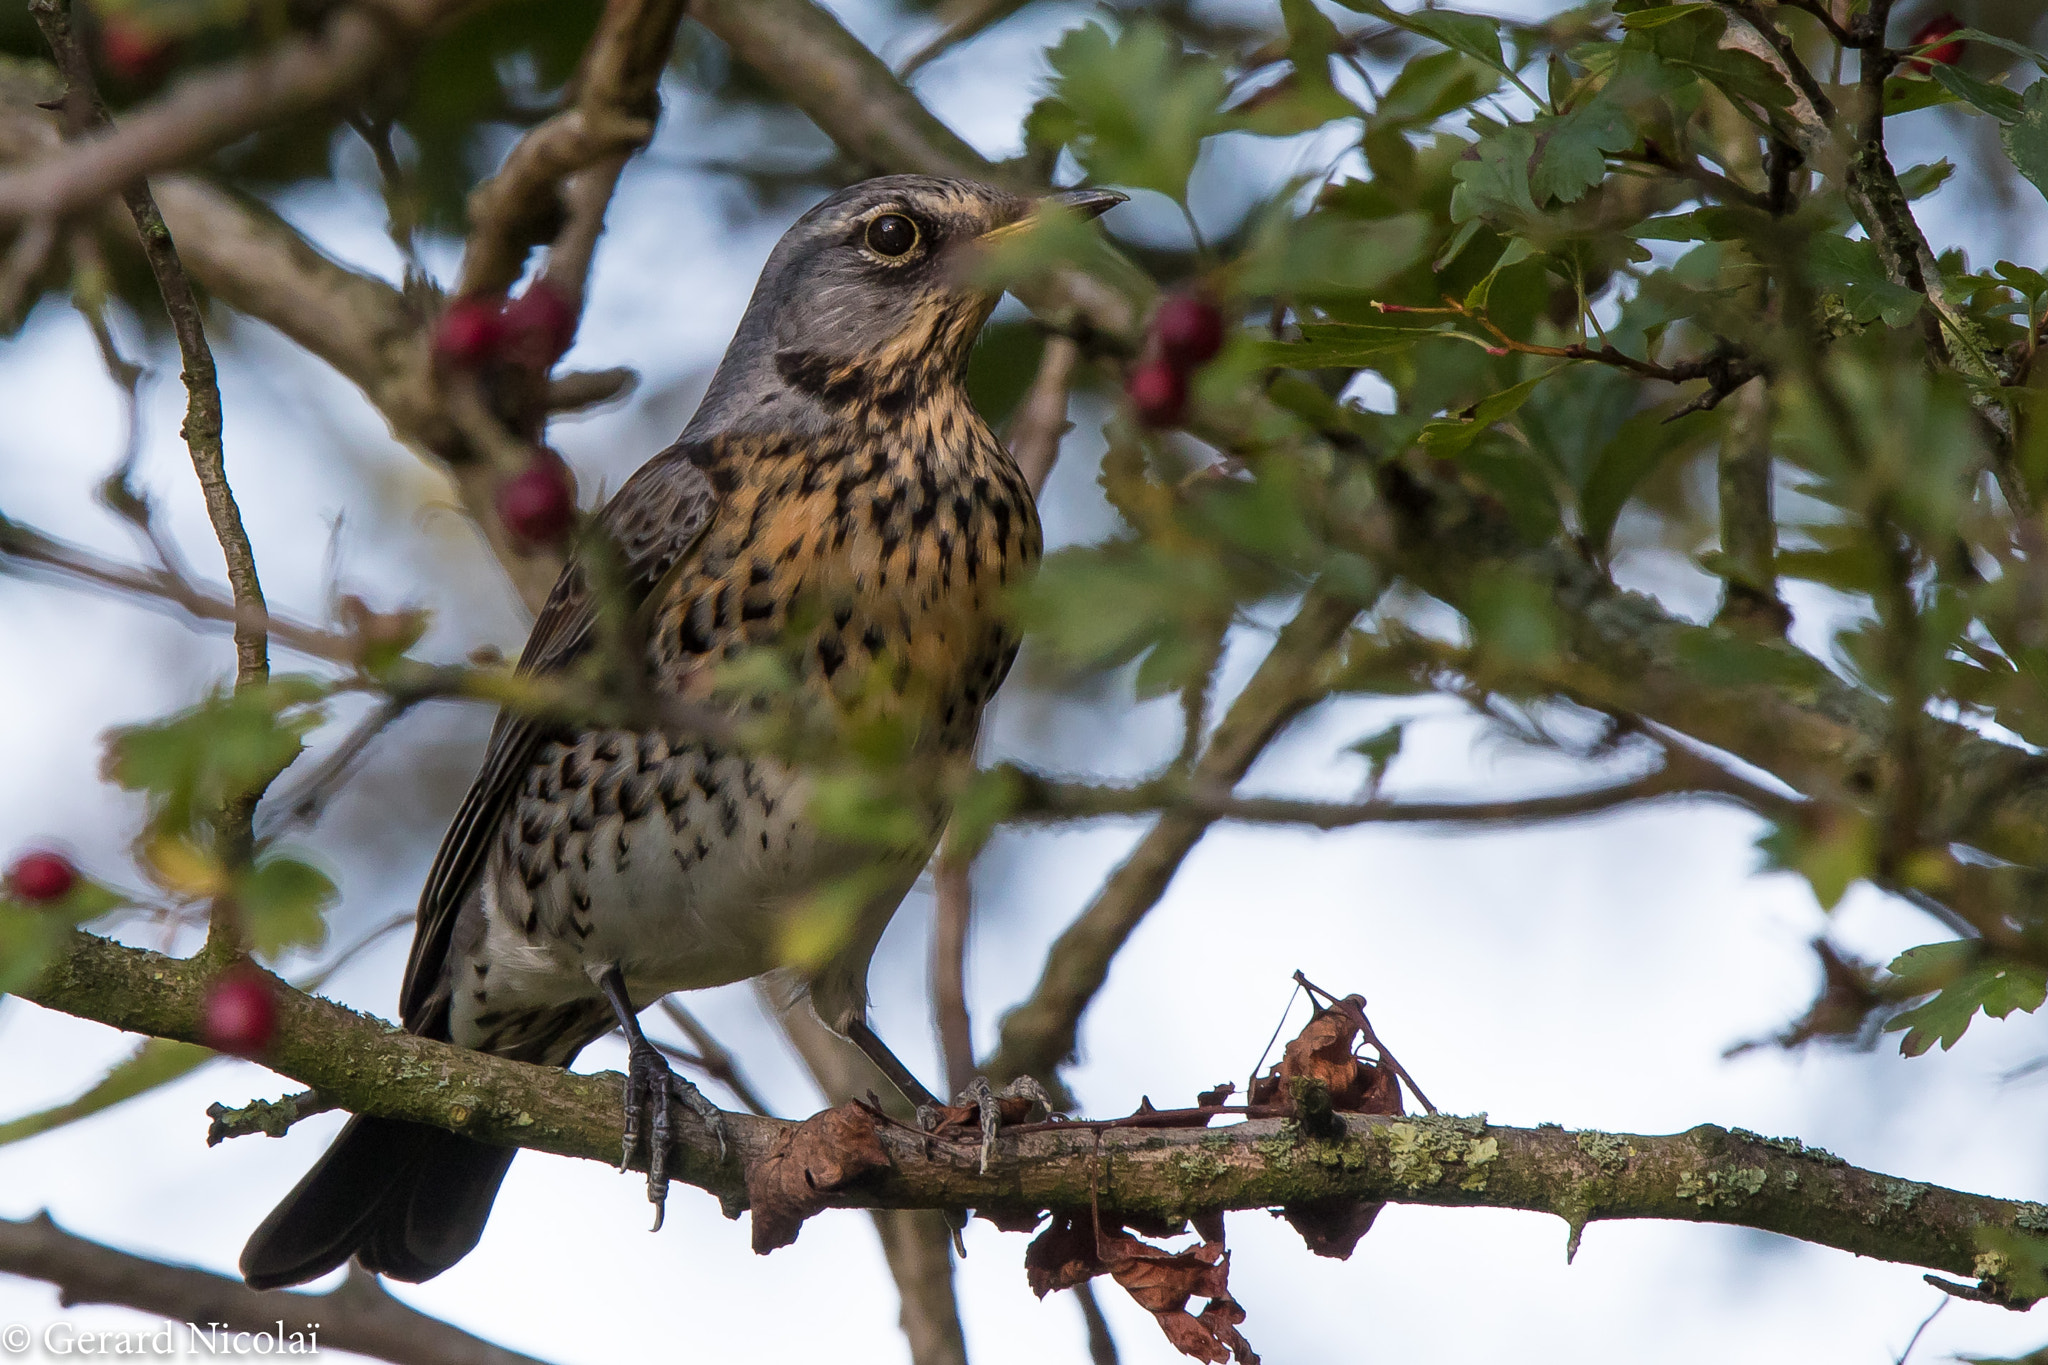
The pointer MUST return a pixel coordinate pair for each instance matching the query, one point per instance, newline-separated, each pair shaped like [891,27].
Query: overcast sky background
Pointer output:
[1590,975]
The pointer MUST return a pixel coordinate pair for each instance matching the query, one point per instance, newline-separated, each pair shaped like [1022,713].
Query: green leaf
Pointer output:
[1514,619]
[1965,979]
[1380,749]
[1978,35]
[1995,100]
[1833,851]
[1133,108]
[1331,255]
[1575,147]
[2026,137]
[1852,267]
[1305,99]
[283,904]
[228,746]
[1342,345]
[1431,85]
[1690,39]
[31,936]
[1475,35]
[158,1061]
[1493,180]
[1452,435]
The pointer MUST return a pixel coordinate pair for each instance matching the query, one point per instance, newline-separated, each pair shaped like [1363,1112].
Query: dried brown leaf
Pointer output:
[1332,1227]
[1062,1256]
[823,1153]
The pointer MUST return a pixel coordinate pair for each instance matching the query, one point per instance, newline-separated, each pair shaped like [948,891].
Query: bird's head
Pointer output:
[869,301]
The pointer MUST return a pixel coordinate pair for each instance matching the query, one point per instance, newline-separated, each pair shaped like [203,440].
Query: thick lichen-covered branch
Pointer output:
[1705,1175]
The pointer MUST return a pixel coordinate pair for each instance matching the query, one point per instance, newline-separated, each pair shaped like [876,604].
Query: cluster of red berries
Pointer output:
[529,333]
[1186,334]
[1942,54]
[240,1013]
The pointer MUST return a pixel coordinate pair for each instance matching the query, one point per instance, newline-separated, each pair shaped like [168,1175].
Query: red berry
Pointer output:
[539,325]
[471,332]
[42,877]
[1942,54]
[1158,391]
[538,504]
[132,52]
[241,1015]
[1190,330]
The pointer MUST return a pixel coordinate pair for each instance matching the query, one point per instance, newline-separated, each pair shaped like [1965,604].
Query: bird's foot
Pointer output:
[987,1101]
[652,1091]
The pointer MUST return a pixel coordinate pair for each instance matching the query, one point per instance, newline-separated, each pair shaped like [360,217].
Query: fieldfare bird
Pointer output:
[835,495]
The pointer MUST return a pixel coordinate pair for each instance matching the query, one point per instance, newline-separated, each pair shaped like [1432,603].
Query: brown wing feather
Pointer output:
[654,521]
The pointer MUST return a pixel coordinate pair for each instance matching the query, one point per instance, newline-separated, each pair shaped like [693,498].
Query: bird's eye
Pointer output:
[892,234]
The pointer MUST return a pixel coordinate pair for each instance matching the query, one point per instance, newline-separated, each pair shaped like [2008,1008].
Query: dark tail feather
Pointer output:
[407,1199]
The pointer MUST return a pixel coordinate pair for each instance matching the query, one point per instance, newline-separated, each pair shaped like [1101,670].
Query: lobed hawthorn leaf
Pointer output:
[1689,38]
[1133,107]
[1966,980]
[1493,179]
[283,904]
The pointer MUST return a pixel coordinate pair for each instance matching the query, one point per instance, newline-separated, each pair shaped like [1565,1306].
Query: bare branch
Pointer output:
[1041,419]
[355,1316]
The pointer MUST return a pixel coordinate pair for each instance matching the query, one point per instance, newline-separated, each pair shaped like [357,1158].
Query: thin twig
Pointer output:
[961,20]
[83,112]
[713,1057]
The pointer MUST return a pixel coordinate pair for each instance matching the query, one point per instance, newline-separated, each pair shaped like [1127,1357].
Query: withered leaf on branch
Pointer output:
[825,1152]
[1322,1052]
[1070,1251]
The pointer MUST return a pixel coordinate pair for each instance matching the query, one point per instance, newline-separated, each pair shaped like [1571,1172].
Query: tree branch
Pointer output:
[610,116]
[1040,1034]
[202,113]
[356,1315]
[1705,1175]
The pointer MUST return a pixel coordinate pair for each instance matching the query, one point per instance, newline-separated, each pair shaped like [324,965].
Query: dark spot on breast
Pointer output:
[831,653]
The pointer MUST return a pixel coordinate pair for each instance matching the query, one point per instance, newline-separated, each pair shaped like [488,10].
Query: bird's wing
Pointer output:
[653,522]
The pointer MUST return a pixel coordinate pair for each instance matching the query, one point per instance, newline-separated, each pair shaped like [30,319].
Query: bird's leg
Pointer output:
[651,1084]
[984,1097]
[980,1094]
[889,1064]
